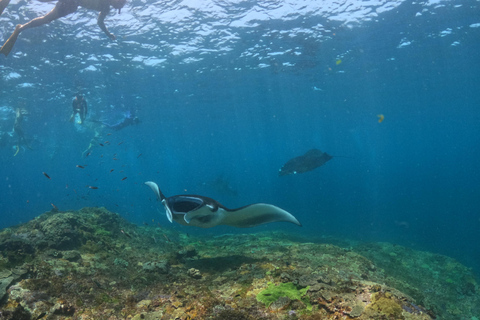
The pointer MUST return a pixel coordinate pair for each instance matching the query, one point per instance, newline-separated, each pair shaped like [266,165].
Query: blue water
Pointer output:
[230,91]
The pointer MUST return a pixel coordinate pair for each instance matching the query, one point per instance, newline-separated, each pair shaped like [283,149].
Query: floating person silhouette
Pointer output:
[79,106]
[61,9]
[17,129]
[129,119]
[312,159]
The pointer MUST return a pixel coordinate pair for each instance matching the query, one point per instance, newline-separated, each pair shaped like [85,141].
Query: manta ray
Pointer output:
[312,159]
[204,212]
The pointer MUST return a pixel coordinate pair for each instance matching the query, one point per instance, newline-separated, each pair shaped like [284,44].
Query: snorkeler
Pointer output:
[61,9]
[17,128]
[79,105]
[129,120]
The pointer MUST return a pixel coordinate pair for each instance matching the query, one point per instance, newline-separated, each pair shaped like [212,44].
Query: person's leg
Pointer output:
[52,15]
[49,17]
[8,45]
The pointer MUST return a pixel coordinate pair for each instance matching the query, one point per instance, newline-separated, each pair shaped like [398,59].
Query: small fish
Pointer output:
[380,118]
[92,187]
[107,142]
[154,239]
[101,144]
[124,178]
[139,155]
[112,170]
[115,159]
[46,175]
[54,206]
[166,238]
[120,143]
[109,134]
[79,166]
[88,154]
[126,234]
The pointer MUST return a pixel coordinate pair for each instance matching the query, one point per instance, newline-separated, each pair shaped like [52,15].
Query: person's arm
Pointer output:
[101,17]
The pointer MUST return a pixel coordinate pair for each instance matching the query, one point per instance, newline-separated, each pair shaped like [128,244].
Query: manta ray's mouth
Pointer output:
[183,205]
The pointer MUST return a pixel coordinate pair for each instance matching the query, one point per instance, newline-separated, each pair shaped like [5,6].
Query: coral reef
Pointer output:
[93,264]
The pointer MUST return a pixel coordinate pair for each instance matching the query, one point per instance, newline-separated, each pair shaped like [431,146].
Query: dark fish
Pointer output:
[92,187]
[81,167]
[101,144]
[120,143]
[88,154]
[311,160]
[112,170]
[46,175]
[139,155]
[124,178]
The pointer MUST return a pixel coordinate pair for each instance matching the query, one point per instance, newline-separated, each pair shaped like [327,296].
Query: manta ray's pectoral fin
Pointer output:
[257,214]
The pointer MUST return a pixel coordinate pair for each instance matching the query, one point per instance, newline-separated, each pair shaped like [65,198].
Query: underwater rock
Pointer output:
[61,231]
[63,309]
[194,273]
[187,252]
[7,277]
[72,255]
[160,267]
[15,313]
[101,276]
[4,284]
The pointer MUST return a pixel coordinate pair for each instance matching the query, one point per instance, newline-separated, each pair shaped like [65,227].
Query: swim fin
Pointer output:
[8,45]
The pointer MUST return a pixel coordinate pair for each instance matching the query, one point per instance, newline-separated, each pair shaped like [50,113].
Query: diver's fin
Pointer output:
[8,45]
[257,214]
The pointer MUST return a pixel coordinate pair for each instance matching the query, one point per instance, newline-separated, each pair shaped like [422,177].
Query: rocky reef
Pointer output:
[93,264]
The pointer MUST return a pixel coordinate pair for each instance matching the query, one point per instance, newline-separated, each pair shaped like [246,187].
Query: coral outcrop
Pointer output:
[93,264]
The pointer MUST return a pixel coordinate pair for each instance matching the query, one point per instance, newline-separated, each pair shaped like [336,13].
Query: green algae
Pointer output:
[383,303]
[102,232]
[289,290]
